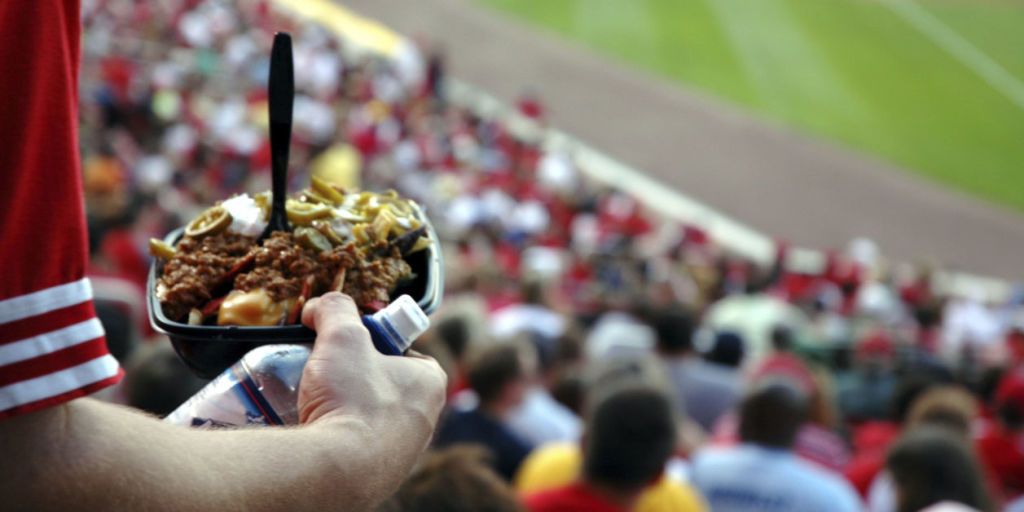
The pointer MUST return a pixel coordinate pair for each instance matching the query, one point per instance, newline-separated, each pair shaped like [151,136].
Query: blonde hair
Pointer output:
[950,407]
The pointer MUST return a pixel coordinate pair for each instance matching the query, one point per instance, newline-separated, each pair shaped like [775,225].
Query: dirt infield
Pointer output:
[799,189]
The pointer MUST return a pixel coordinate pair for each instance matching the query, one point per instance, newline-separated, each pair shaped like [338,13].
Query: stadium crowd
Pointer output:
[599,357]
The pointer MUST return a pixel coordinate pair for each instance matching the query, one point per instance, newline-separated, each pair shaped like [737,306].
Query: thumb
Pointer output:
[336,320]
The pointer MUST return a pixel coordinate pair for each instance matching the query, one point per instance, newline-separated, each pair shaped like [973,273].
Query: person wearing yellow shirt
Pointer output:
[556,475]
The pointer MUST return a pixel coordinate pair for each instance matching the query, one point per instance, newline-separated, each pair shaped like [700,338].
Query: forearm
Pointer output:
[90,455]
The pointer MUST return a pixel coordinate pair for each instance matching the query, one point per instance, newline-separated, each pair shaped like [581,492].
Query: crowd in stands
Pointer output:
[599,357]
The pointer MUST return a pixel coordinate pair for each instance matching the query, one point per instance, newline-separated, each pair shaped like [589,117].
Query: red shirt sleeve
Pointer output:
[52,347]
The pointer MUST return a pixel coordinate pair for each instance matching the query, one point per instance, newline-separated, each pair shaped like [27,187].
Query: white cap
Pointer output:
[406,318]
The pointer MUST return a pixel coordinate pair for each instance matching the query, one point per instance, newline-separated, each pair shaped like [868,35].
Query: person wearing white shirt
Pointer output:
[762,473]
[531,316]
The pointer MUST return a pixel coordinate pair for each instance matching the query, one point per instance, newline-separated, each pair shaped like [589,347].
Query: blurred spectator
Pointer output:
[622,331]
[704,390]
[872,439]
[762,472]
[531,315]
[557,465]
[932,465]
[780,360]
[530,105]
[630,435]
[454,333]
[949,408]
[499,377]
[753,316]
[864,394]
[970,329]
[540,418]
[457,479]
[727,350]
[1000,442]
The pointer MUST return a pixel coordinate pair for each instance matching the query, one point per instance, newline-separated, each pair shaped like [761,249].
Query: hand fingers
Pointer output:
[417,355]
[335,318]
[332,305]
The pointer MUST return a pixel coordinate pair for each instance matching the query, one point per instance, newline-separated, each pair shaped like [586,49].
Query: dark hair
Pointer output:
[728,349]
[772,414]
[532,291]
[570,389]
[156,381]
[1010,415]
[456,479]
[782,338]
[630,436]
[493,368]
[568,349]
[674,327]
[454,333]
[930,465]
[909,388]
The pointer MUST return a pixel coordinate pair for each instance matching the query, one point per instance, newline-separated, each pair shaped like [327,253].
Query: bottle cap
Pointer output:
[405,318]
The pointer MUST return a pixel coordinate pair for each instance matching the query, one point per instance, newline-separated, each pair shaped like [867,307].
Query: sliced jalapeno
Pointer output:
[161,249]
[304,213]
[212,221]
[312,239]
[325,190]
[312,196]
[351,216]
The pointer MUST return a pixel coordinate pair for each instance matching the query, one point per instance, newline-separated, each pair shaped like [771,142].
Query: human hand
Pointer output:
[346,376]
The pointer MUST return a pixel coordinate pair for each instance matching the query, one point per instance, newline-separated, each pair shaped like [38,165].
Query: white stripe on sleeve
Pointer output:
[53,384]
[50,342]
[44,301]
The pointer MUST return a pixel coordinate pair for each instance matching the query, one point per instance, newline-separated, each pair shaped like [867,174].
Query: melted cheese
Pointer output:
[253,308]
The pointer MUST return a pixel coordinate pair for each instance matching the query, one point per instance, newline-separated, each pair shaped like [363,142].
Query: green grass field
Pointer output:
[855,71]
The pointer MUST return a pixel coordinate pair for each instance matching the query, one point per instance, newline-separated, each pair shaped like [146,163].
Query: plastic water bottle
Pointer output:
[262,388]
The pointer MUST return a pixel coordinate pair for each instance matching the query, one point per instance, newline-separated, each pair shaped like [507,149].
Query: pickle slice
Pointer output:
[312,196]
[212,221]
[161,249]
[350,216]
[325,190]
[304,213]
[312,239]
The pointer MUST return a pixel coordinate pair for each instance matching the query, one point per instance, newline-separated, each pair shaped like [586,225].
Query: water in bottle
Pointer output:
[262,388]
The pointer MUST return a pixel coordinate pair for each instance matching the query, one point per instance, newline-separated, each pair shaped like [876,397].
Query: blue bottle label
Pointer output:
[233,399]
[257,410]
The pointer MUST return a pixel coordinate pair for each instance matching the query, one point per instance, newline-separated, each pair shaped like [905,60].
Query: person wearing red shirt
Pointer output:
[1000,441]
[629,437]
[64,452]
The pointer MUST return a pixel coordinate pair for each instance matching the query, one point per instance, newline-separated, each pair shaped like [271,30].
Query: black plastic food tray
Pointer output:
[209,349]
